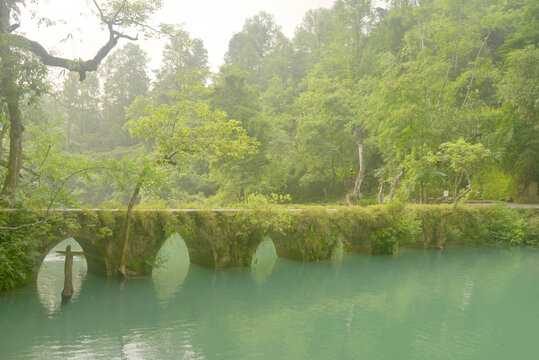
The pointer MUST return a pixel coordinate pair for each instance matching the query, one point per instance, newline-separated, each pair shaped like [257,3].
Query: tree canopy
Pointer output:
[361,105]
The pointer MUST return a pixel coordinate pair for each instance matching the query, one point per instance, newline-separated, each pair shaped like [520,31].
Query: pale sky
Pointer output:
[213,21]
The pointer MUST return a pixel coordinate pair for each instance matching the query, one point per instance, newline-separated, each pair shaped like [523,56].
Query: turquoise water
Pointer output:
[458,304]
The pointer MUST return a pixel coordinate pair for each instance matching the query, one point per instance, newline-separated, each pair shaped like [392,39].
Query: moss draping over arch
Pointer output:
[223,239]
[307,235]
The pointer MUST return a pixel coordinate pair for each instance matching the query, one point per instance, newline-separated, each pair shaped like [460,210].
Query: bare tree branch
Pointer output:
[81,66]
[122,35]
[13,27]
[101,15]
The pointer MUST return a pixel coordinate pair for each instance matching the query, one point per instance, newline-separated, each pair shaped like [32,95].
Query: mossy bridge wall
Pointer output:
[229,238]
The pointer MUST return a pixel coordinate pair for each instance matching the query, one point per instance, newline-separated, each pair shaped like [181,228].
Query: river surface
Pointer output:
[458,304]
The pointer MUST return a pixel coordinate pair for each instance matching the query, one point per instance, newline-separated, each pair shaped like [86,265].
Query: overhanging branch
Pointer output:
[80,66]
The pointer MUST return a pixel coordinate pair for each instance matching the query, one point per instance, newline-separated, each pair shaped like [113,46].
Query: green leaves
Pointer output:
[189,126]
[129,13]
[460,155]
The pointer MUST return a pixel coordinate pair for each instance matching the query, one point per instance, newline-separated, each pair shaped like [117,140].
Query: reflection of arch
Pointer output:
[338,250]
[94,257]
[263,261]
[170,267]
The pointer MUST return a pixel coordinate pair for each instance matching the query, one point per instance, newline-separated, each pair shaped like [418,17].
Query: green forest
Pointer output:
[363,104]
[363,187]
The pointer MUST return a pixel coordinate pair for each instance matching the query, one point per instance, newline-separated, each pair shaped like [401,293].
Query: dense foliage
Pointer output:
[362,105]
[435,96]
[20,257]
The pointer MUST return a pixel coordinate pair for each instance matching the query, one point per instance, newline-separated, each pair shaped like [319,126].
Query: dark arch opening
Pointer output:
[170,267]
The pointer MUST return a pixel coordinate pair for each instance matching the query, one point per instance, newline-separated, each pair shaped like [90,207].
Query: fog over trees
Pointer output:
[361,105]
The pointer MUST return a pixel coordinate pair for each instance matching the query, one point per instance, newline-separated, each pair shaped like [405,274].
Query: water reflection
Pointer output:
[263,261]
[170,269]
[363,307]
[50,280]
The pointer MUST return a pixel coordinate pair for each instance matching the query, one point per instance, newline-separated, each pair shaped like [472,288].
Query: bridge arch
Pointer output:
[170,268]
[265,249]
[95,259]
[50,278]
[306,235]
[264,260]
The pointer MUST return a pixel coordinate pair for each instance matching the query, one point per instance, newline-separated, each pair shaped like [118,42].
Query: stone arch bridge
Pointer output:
[229,238]
[214,238]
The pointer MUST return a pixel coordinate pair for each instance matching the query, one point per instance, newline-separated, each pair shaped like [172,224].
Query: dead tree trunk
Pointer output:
[394,184]
[358,133]
[67,292]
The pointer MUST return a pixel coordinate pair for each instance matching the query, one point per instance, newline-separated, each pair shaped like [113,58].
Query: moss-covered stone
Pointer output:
[222,239]
[307,235]
[225,239]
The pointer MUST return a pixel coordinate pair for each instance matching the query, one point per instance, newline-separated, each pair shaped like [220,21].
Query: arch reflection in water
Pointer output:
[263,261]
[336,256]
[50,280]
[170,268]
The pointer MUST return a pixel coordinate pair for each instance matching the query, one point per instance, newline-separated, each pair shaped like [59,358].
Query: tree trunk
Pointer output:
[464,193]
[381,194]
[16,129]
[67,292]
[394,185]
[125,237]
[440,232]
[358,133]
[11,97]
[3,133]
